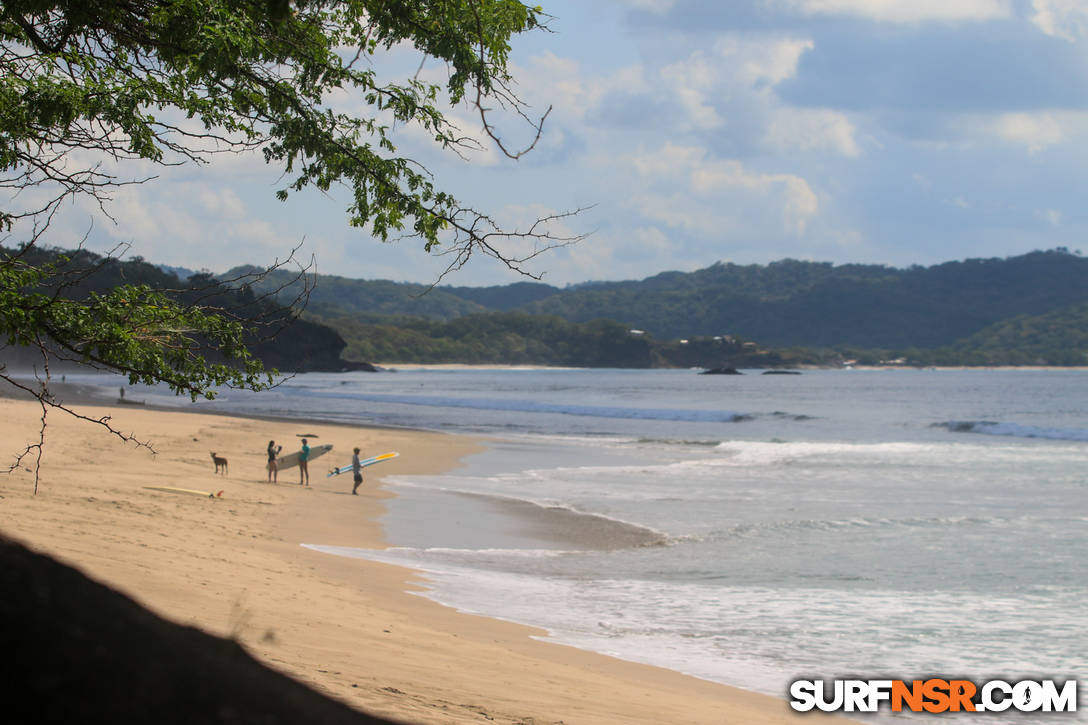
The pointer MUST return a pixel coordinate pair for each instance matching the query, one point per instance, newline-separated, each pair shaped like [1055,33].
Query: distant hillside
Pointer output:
[334,296]
[182,273]
[817,304]
[1059,337]
[507,338]
[783,304]
[505,298]
[516,338]
[300,346]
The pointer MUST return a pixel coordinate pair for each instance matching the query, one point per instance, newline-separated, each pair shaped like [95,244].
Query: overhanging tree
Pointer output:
[88,85]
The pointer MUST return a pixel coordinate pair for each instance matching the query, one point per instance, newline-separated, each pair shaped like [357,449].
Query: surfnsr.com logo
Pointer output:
[934,695]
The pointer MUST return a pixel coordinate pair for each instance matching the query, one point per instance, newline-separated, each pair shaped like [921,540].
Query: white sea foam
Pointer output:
[405,555]
[762,637]
[915,522]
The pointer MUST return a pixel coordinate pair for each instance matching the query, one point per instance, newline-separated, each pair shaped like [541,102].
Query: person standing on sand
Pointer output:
[303,467]
[273,467]
[357,472]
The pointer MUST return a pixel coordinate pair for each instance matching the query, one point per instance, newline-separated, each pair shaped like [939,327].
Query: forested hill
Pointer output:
[334,296]
[297,345]
[817,304]
[1059,337]
[784,303]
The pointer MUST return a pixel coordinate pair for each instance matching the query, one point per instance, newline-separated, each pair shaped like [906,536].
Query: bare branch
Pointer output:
[45,398]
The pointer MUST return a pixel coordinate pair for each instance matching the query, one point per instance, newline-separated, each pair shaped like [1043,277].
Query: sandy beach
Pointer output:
[233,566]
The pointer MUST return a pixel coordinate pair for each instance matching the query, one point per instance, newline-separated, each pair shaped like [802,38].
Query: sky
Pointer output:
[894,132]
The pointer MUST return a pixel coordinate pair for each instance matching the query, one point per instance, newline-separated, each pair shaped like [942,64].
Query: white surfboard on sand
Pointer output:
[188,491]
[291,459]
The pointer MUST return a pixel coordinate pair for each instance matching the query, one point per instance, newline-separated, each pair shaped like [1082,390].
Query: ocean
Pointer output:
[751,529]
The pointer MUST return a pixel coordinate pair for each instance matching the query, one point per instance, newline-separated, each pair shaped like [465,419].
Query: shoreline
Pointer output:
[236,567]
[394,367]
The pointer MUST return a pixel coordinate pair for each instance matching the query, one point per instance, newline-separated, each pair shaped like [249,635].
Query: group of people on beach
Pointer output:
[304,465]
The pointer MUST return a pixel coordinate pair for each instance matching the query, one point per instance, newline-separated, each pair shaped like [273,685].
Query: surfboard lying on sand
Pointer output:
[189,491]
[291,459]
[368,462]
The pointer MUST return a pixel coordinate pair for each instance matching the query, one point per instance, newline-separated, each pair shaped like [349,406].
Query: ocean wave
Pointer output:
[1014,430]
[675,442]
[782,415]
[529,406]
[787,525]
[761,453]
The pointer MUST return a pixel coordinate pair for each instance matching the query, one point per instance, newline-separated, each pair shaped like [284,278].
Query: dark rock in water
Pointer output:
[781,372]
[78,652]
[722,371]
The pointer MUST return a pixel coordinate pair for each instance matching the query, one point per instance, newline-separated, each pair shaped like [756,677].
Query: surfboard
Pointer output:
[291,459]
[363,463]
[189,491]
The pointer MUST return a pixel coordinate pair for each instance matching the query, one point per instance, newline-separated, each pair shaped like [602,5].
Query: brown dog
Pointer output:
[219,463]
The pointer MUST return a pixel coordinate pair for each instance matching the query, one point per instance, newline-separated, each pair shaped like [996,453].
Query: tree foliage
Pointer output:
[145,333]
[169,81]
[93,93]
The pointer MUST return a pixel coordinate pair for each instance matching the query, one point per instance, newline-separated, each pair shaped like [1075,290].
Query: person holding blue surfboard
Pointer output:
[357,472]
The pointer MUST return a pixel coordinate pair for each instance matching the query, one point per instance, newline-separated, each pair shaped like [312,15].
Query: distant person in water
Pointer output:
[357,471]
[303,467]
[273,467]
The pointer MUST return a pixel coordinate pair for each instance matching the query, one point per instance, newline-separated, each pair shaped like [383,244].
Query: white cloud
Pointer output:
[223,203]
[1053,217]
[907,11]
[1035,131]
[651,239]
[655,6]
[721,187]
[695,94]
[568,88]
[692,81]
[182,222]
[1067,19]
[807,129]
[756,61]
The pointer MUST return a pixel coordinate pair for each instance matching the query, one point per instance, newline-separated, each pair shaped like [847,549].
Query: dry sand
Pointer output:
[233,566]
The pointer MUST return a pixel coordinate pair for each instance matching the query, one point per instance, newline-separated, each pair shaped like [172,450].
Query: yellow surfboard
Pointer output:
[363,463]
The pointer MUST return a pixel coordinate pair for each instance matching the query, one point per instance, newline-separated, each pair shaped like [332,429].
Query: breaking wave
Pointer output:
[529,406]
[1014,430]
